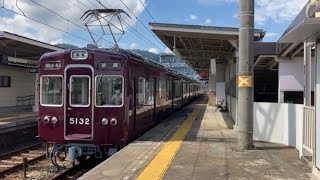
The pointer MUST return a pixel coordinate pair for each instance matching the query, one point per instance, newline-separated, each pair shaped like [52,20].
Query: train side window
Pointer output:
[145,92]
[149,100]
[51,91]
[109,91]
[141,91]
[161,91]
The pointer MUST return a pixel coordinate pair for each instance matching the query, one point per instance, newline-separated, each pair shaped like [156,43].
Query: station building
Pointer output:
[19,58]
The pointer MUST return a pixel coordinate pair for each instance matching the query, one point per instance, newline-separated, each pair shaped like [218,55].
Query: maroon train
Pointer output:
[95,101]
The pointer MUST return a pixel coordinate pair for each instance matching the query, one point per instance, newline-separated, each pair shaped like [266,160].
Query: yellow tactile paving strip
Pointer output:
[159,165]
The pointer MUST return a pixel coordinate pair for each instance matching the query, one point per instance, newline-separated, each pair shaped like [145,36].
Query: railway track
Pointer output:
[11,165]
[13,161]
[78,170]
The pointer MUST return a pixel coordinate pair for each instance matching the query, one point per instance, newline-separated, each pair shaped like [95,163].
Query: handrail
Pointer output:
[25,100]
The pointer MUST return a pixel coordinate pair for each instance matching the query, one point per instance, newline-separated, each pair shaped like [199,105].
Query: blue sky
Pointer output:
[273,16]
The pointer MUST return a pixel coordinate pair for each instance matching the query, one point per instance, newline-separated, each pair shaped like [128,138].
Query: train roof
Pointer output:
[130,54]
[153,63]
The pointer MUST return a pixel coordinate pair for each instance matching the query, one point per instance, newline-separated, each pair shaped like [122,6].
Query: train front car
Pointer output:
[82,97]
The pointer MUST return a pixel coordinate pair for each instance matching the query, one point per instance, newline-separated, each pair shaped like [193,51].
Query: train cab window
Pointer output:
[80,91]
[109,91]
[51,91]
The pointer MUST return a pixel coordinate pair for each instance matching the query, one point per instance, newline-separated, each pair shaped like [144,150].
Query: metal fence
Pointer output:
[25,102]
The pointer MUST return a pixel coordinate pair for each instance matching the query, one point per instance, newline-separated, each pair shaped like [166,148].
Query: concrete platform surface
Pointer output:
[14,121]
[209,151]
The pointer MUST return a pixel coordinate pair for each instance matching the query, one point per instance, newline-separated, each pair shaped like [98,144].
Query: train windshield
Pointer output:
[51,91]
[109,91]
[79,93]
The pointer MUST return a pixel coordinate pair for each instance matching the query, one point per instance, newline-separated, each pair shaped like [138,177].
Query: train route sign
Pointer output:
[244,81]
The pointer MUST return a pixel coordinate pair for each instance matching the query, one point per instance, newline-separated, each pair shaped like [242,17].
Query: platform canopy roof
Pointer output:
[302,29]
[21,50]
[198,44]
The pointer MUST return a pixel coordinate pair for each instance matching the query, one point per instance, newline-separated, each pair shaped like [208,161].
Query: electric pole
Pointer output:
[245,75]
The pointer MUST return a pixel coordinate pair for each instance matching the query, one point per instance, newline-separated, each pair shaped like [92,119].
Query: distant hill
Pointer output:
[67,46]
[146,54]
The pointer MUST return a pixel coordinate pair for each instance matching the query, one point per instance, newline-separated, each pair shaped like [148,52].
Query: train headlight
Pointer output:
[54,120]
[46,119]
[113,121]
[79,54]
[104,121]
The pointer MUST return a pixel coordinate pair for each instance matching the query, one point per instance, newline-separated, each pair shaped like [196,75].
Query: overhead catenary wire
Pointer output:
[142,23]
[53,27]
[137,33]
[147,10]
[18,8]
[127,25]
[83,4]
[141,36]
[57,14]
[105,2]
[92,4]
[75,5]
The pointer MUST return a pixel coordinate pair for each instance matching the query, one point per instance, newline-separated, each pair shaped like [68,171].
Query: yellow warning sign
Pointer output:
[245,81]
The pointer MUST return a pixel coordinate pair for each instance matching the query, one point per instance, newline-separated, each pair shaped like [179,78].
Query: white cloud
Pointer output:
[70,9]
[154,50]
[208,21]
[276,11]
[133,46]
[193,17]
[272,34]
[235,15]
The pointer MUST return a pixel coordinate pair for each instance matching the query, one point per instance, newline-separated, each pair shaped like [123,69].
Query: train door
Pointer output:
[79,108]
[155,95]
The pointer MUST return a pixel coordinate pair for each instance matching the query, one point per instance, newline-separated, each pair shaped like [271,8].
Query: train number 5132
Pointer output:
[84,121]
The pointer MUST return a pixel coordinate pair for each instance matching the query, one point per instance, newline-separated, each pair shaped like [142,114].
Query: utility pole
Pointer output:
[245,75]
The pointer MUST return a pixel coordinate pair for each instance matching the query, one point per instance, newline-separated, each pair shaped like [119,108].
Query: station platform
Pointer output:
[198,143]
[12,120]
